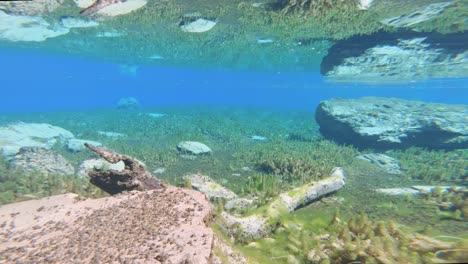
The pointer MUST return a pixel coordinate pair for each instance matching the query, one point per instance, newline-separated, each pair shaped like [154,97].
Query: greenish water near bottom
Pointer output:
[242,163]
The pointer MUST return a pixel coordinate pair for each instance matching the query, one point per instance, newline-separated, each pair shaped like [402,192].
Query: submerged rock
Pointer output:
[386,123]
[128,103]
[72,22]
[397,191]
[76,145]
[40,160]
[364,4]
[17,135]
[113,135]
[98,164]
[258,138]
[199,25]
[385,162]
[211,189]
[397,57]
[193,148]
[238,204]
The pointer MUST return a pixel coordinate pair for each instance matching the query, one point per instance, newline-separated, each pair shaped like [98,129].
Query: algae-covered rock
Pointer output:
[40,160]
[211,189]
[98,164]
[385,162]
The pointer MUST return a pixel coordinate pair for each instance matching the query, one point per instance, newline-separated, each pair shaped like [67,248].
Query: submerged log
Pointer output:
[133,177]
[260,225]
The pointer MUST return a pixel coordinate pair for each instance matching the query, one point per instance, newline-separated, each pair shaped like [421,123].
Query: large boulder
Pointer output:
[17,135]
[387,123]
[397,57]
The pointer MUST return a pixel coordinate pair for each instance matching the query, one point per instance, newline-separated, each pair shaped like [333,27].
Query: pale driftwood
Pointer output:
[133,177]
[260,225]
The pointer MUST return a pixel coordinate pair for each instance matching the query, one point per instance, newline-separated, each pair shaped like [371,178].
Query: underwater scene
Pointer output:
[240,131]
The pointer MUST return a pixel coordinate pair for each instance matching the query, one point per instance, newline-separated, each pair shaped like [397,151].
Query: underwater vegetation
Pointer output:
[312,7]
[358,240]
[292,155]
[452,203]
[16,185]
[434,166]
[296,163]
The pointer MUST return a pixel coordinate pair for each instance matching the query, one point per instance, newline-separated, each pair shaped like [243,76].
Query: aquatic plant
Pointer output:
[297,163]
[433,166]
[19,186]
[451,203]
[366,241]
[312,7]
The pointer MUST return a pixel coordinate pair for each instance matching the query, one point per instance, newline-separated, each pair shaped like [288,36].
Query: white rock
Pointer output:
[113,135]
[122,8]
[198,26]
[76,145]
[264,40]
[397,191]
[159,170]
[156,57]
[258,138]
[193,147]
[26,28]
[156,115]
[98,164]
[364,4]
[210,188]
[17,135]
[385,162]
[71,22]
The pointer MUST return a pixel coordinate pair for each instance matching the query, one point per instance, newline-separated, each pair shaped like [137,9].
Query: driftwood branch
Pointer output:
[133,177]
